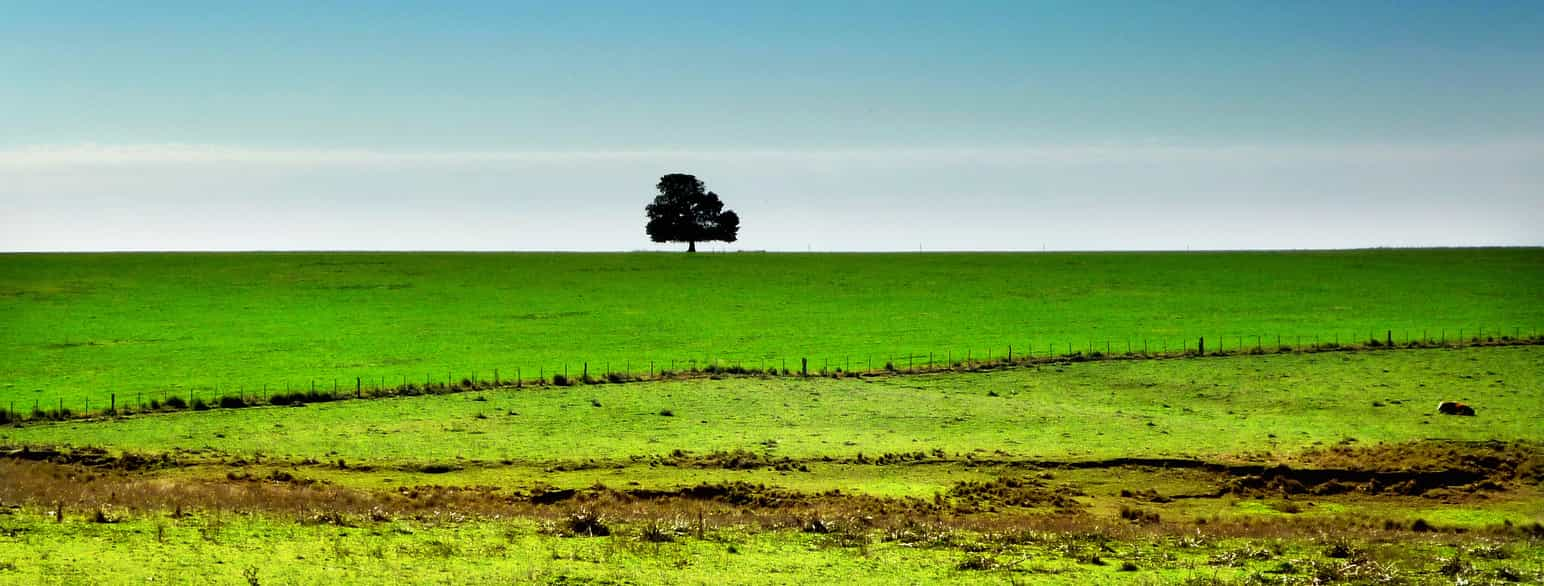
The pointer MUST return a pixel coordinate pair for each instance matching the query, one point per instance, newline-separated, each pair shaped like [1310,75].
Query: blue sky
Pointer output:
[827,125]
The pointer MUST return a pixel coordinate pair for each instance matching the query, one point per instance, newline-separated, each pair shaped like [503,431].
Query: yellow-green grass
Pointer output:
[238,548]
[79,327]
[1198,407]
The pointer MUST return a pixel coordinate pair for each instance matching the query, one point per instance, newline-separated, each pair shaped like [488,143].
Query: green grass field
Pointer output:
[330,491]
[78,327]
[1205,407]
[234,549]
[1277,467]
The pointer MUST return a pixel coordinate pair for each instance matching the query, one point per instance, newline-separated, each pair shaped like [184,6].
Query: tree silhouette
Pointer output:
[685,212]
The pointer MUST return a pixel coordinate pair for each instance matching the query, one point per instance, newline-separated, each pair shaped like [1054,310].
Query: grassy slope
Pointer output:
[80,326]
[1204,407]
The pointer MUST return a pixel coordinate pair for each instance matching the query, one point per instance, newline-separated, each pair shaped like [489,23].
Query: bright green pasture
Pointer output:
[80,326]
[1204,407]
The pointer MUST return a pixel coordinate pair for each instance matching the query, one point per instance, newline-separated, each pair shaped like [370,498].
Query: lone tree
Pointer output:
[684,212]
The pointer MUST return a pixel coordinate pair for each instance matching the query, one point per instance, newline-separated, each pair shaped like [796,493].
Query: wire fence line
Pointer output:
[314,390]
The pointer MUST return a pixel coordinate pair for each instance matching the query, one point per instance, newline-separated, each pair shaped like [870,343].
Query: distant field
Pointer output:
[80,326]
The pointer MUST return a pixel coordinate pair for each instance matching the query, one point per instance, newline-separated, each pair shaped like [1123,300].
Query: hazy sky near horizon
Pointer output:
[825,125]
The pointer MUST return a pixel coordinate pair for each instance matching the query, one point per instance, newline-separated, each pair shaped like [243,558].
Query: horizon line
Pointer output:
[758,251]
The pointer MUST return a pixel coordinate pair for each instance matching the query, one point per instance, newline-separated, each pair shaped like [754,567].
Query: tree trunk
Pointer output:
[691,246]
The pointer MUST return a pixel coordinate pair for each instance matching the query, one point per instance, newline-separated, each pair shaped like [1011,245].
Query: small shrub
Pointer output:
[1127,566]
[176,402]
[666,413]
[654,533]
[561,380]
[1454,566]
[1137,515]
[616,377]
[232,402]
[199,404]
[1340,550]
[587,523]
[594,402]
[979,562]
[102,517]
[1490,551]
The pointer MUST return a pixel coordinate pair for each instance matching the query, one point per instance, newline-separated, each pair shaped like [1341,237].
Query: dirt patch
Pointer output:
[92,457]
[1436,469]
[1501,461]
[1014,492]
[731,460]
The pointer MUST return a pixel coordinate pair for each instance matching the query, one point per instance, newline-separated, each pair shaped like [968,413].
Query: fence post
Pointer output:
[359,384]
[1390,339]
[495,377]
[113,407]
[1201,346]
[804,366]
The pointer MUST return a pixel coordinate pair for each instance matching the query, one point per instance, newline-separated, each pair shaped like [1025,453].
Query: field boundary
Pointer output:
[378,387]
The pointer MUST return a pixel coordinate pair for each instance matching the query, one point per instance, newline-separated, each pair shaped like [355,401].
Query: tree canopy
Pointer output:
[684,211]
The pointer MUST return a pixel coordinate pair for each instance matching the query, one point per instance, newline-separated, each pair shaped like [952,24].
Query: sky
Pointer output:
[853,126]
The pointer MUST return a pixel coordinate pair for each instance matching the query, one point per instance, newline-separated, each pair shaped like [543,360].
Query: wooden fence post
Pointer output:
[1201,346]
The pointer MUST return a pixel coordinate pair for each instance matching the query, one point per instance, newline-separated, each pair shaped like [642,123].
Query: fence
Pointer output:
[334,389]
